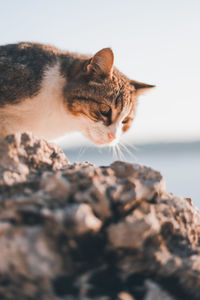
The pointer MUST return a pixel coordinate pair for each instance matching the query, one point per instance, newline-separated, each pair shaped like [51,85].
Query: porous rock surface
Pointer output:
[81,232]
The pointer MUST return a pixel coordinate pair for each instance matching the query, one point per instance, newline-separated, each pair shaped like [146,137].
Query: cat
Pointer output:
[50,93]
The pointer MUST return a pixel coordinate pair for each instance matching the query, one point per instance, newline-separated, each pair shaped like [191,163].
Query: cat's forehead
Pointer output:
[113,90]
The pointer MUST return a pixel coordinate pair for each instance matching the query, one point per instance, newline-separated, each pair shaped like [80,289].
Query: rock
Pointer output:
[77,231]
[23,154]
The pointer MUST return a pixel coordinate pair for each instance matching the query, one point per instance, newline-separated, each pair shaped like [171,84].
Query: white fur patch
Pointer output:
[44,114]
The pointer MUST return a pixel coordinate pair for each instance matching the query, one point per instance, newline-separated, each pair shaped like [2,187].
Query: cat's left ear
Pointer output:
[102,63]
[141,87]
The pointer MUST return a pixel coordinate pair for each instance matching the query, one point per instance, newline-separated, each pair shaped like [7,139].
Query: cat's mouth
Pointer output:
[108,140]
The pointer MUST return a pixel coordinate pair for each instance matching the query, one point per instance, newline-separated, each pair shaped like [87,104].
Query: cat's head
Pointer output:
[102,98]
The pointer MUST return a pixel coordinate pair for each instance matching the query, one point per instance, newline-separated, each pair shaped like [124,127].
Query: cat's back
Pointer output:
[22,68]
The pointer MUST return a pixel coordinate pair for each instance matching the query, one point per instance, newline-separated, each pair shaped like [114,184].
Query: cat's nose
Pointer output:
[111,137]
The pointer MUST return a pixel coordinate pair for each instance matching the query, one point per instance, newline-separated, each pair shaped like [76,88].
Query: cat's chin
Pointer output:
[105,144]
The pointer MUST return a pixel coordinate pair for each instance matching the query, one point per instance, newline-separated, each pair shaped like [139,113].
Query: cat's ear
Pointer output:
[141,87]
[102,63]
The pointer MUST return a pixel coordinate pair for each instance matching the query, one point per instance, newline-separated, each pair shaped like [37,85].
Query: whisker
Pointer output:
[81,152]
[131,145]
[121,154]
[114,152]
[110,149]
[126,149]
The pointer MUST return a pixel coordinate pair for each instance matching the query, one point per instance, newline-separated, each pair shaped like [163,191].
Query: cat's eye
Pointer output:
[126,120]
[105,110]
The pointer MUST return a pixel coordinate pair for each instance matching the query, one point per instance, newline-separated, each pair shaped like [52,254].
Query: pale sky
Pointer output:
[153,41]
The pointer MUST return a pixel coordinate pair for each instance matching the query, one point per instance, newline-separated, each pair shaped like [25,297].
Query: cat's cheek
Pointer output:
[97,134]
[118,132]
[90,130]
[97,137]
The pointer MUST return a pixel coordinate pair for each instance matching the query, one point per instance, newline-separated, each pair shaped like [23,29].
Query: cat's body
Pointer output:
[50,93]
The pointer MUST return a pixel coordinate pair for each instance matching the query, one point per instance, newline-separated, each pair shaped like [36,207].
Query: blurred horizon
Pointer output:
[153,41]
[177,162]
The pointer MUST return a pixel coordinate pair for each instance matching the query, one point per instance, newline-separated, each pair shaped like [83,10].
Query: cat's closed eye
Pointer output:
[105,112]
[126,120]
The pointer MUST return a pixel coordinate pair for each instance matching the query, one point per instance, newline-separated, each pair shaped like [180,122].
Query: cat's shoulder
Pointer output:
[22,67]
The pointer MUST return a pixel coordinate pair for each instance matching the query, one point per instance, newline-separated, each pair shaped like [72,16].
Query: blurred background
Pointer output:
[157,42]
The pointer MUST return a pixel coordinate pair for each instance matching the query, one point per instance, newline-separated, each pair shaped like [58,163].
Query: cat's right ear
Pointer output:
[141,87]
[101,63]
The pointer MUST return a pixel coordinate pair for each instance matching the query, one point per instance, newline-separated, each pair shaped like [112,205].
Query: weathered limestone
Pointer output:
[77,231]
